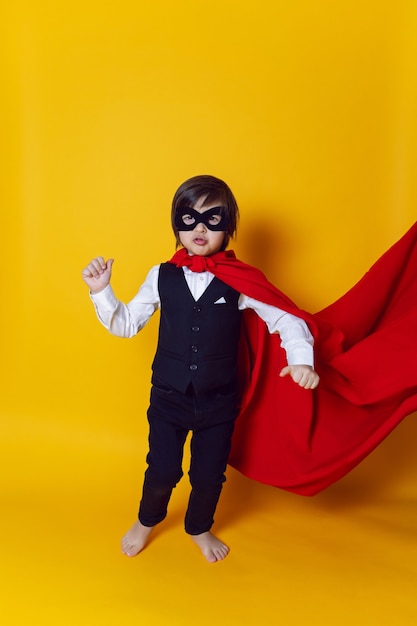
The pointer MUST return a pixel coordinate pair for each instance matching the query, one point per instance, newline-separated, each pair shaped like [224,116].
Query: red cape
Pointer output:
[366,351]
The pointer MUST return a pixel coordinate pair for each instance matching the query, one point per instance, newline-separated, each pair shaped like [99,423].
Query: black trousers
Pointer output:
[171,415]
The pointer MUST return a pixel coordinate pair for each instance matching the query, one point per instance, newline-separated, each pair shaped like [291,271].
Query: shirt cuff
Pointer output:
[301,356]
[105,299]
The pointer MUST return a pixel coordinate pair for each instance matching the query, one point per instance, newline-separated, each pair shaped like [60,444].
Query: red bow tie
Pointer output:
[195,262]
[203,263]
[198,263]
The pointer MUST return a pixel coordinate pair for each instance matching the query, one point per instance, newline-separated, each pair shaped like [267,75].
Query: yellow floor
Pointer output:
[347,556]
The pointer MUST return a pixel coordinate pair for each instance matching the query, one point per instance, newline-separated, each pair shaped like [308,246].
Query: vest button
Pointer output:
[193,367]
[195,329]
[194,348]
[197,308]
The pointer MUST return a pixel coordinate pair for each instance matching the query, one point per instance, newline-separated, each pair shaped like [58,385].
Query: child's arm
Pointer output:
[296,340]
[122,320]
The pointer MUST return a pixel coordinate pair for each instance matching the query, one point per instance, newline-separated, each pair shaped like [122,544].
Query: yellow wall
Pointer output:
[307,109]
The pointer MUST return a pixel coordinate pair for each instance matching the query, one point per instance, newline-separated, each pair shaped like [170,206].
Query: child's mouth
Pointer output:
[199,241]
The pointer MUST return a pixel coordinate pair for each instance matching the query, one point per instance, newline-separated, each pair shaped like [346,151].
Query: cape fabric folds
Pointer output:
[365,353]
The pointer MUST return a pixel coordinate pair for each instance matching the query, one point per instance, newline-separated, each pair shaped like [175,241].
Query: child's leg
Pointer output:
[166,444]
[210,449]
[153,509]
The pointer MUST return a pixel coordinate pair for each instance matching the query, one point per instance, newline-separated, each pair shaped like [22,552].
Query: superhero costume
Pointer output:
[365,348]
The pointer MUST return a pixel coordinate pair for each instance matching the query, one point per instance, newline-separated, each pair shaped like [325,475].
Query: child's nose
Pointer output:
[200,226]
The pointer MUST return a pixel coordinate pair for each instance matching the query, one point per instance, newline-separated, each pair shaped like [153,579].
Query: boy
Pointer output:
[195,369]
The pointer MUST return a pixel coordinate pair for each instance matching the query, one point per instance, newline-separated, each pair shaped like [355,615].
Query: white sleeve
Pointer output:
[296,338]
[126,320]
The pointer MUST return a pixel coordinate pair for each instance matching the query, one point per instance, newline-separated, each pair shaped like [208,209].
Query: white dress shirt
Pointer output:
[126,320]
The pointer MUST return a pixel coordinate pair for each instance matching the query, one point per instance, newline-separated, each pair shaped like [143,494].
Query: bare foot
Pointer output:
[211,547]
[135,539]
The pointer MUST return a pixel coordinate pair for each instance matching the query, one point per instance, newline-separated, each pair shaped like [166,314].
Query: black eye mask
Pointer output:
[187,218]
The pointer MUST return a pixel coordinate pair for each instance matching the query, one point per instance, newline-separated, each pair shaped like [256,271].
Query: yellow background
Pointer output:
[308,111]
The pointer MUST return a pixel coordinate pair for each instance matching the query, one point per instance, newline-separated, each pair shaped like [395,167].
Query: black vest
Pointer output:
[198,340]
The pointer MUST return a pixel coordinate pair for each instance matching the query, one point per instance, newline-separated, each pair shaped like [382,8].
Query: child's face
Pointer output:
[201,240]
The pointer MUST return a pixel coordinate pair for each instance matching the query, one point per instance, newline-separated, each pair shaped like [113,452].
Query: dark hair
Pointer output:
[213,190]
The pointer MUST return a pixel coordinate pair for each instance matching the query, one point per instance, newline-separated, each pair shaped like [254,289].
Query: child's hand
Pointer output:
[97,274]
[303,375]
